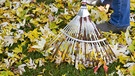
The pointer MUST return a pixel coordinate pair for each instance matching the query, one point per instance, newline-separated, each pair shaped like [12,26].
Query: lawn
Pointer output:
[26,28]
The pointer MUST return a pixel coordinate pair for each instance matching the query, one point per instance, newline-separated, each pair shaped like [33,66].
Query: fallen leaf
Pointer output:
[105,68]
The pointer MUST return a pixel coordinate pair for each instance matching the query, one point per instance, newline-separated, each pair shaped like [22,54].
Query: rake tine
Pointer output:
[57,48]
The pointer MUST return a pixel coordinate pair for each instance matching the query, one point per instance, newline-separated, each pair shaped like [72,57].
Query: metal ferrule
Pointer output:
[83,12]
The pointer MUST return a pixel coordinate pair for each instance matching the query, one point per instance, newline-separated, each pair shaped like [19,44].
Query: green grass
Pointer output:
[51,69]
[47,1]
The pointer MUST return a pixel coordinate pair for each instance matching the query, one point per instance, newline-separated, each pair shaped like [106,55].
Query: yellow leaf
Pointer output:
[103,16]
[92,53]
[132,6]
[39,75]
[64,75]
[36,61]
[132,23]
[124,71]
[81,67]
[118,67]
[0,51]
[133,54]
[58,0]
[34,21]
[58,21]
[121,38]
[19,11]
[132,1]
[132,70]
[16,56]
[101,61]
[68,59]
[1,47]
[123,58]
[43,70]
[37,10]
[32,35]
[132,58]
[18,49]
[10,73]
[67,17]
[2,65]
[7,3]
[59,5]
[89,7]
[1,11]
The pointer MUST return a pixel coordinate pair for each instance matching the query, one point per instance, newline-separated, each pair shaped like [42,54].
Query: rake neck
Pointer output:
[83,3]
[83,12]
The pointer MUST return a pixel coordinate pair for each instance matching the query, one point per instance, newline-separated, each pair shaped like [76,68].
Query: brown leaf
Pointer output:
[31,49]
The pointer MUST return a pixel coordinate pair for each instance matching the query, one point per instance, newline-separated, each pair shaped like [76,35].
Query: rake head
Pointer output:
[80,42]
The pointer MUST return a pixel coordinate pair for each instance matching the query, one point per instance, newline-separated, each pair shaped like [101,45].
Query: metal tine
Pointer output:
[59,44]
[83,32]
[70,23]
[100,49]
[96,30]
[81,52]
[99,43]
[91,50]
[93,37]
[66,49]
[71,41]
[69,29]
[109,56]
[74,49]
[71,49]
[104,53]
[104,42]
[56,38]
[108,48]
[94,56]
[55,42]
[94,61]
[113,56]
[87,53]
[57,48]
[76,53]
[79,34]
[97,46]
[90,59]
[85,38]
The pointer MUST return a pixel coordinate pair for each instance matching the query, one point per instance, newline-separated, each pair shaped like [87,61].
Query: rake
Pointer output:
[80,42]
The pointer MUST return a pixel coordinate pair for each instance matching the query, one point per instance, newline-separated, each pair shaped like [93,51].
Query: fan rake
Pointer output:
[80,42]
